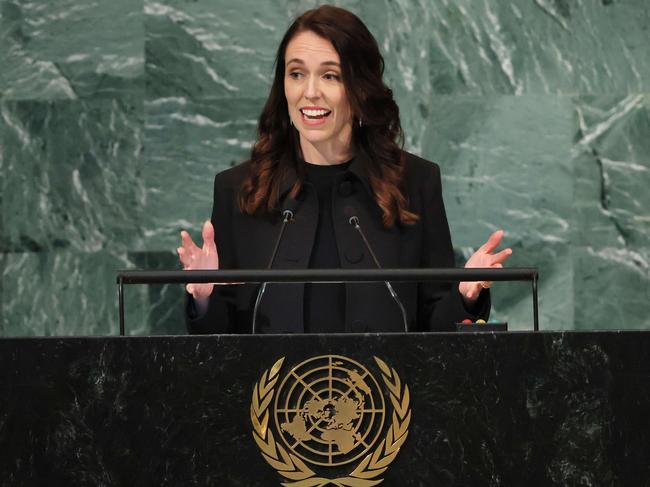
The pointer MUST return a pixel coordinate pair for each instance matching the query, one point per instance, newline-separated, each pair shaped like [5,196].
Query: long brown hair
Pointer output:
[378,138]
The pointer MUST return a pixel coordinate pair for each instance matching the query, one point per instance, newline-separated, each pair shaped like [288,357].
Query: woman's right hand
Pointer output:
[195,258]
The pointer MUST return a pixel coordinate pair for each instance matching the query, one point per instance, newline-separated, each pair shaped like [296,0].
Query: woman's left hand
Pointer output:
[484,258]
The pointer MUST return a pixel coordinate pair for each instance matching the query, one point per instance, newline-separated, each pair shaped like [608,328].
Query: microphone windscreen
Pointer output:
[351,214]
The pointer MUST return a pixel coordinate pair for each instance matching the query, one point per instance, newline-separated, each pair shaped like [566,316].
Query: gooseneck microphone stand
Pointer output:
[287,216]
[354,221]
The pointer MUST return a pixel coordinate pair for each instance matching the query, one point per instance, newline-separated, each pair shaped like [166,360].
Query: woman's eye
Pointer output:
[295,74]
[332,76]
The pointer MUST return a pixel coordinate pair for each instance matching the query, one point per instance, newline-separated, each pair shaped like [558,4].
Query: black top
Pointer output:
[324,302]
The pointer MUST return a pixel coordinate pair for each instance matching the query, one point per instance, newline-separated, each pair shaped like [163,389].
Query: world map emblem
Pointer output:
[325,421]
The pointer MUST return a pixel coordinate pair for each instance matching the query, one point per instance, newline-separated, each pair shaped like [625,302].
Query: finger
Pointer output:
[207,232]
[472,295]
[183,256]
[187,242]
[195,289]
[469,289]
[502,256]
[209,246]
[493,242]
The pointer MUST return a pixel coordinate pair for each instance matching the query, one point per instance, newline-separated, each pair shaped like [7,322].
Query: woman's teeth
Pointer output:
[315,114]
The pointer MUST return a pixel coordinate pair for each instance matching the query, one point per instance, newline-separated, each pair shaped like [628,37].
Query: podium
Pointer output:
[518,408]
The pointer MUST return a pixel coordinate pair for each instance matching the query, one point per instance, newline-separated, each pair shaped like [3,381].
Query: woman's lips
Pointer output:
[316,117]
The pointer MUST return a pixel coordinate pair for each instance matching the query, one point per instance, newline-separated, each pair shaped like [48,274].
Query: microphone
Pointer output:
[354,221]
[289,208]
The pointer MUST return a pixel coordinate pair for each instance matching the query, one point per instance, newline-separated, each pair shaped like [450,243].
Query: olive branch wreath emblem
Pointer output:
[293,468]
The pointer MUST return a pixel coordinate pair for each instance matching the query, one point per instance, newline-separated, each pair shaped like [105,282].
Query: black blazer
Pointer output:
[246,242]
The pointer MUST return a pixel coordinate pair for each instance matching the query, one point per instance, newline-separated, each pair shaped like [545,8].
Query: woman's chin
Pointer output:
[315,136]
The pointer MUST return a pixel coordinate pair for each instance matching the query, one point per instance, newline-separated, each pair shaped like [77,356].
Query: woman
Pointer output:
[328,146]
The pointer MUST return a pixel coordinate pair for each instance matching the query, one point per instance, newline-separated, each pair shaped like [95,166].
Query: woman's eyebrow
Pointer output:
[324,63]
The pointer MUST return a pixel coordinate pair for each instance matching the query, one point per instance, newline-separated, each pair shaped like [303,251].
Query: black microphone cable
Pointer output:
[354,221]
[288,214]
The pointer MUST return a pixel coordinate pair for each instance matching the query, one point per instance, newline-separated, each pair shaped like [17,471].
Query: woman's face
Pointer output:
[318,104]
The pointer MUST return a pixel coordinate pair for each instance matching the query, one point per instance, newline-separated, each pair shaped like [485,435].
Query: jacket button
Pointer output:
[345,188]
[354,256]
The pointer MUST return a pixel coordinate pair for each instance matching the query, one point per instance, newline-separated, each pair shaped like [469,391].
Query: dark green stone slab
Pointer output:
[72,293]
[612,232]
[188,143]
[211,50]
[60,293]
[503,47]
[71,49]
[72,175]
[612,167]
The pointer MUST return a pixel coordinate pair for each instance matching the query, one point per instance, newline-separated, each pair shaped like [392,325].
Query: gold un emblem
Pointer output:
[326,423]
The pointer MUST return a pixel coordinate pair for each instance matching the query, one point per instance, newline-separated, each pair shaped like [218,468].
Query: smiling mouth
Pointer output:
[314,114]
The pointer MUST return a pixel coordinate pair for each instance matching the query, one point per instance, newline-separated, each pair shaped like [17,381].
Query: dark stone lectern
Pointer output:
[467,409]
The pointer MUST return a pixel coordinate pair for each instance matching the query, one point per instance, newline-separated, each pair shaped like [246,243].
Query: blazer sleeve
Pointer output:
[440,304]
[219,316]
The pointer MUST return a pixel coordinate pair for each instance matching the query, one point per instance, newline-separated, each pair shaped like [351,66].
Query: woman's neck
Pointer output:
[326,154]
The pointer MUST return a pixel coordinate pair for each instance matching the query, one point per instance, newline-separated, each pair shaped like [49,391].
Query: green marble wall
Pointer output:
[114,116]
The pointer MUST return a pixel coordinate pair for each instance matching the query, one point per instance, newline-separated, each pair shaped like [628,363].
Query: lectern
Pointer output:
[515,408]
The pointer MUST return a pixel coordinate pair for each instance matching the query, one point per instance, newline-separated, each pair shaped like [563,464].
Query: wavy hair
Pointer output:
[379,138]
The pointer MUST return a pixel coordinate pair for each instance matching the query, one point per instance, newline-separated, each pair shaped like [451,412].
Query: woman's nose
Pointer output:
[312,90]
